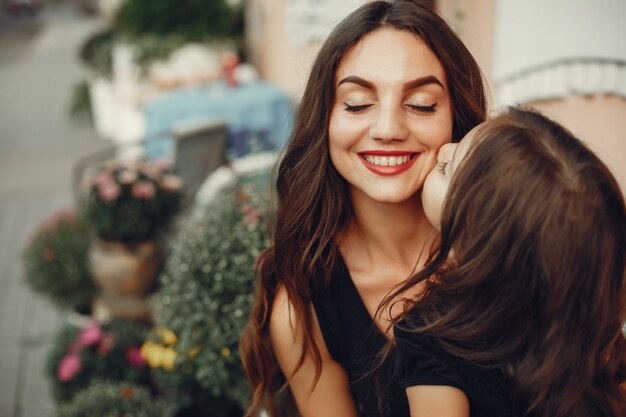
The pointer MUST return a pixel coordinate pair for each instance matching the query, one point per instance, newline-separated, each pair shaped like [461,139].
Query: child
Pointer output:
[521,306]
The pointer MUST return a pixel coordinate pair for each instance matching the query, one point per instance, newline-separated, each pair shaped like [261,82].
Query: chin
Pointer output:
[394,198]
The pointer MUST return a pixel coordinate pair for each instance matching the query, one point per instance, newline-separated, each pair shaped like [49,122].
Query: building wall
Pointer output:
[273,51]
[473,21]
[600,121]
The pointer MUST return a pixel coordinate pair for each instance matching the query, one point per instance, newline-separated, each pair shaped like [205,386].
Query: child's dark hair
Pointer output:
[535,226]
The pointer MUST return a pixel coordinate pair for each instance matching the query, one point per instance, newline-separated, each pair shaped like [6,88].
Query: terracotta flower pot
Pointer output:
[125,273]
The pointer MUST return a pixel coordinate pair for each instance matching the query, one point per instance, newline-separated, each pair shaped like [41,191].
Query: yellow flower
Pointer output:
[168,359]
[152,353]
[225,352]
[193,352]
[167,336]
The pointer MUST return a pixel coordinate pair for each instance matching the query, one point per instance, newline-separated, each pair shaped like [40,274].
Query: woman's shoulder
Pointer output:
[283,320]
[286,325]
[287,333]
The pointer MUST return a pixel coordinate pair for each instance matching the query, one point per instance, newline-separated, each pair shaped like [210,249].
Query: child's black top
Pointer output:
[354,341]
[420,360]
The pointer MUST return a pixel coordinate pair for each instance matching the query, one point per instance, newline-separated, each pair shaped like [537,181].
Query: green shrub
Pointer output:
[55,261]
[191,19]
[104,399]
[81,356]
[96,52]
[158,27]
[80,104]
[206,293]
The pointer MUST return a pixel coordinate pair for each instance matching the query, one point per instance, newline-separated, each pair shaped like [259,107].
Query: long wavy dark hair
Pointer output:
[313,201]
[536,226]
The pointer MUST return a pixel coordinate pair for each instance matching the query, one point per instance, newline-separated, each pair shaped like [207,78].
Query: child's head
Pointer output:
[533,230]
[520,185]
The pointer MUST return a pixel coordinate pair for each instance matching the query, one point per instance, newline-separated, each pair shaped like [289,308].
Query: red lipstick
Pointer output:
[386,170]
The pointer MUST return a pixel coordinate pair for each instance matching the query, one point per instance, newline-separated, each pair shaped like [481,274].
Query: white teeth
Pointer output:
[387,161]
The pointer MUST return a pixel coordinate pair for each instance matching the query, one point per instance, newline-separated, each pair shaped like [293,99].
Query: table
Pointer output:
[258,115]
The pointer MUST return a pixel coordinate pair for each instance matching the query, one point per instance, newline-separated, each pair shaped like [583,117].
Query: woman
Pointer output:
[521,305]
[390,85]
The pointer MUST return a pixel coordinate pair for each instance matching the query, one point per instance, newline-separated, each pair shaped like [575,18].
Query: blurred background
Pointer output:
[136,144]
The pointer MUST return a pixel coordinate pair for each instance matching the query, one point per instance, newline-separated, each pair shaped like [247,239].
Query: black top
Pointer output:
[420,360]
[354,341]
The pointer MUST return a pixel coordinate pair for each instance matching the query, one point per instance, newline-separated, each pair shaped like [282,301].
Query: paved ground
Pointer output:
[38,147]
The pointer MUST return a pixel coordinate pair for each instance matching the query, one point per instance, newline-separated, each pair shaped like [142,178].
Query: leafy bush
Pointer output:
[193,20]
[55,261]
[206,294]
[104,399]
[80,104]
[110,352]
[96,52]
[156,28]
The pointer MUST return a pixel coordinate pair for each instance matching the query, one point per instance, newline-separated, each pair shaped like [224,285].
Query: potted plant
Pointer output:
[55,262]
[204,299]
[96,352]
[128,205]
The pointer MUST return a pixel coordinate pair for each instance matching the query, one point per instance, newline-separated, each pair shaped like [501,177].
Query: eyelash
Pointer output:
[441,166]
[423,109]
[356,109]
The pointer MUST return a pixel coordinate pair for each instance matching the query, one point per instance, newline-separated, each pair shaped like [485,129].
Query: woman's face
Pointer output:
[390,117]
[438,181]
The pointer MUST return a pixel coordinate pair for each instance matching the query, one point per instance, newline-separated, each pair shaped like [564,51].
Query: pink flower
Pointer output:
[143,190]
[150,170]
[171,183]
[162,164]
[108,191]
[127,176]
[91,335]
[106,345]
[69,366]
[252,217]
[133,356]
[104,178]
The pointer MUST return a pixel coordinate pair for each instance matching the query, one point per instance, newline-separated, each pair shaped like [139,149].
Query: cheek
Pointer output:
[442,132]
[439,130]
[338,133]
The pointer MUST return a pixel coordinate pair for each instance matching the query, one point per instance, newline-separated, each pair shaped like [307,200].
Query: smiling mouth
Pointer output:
[389,160]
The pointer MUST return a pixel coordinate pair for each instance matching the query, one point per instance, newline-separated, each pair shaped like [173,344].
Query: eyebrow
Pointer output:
[418,82]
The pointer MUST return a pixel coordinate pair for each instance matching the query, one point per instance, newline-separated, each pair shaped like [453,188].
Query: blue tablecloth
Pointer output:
[257,114]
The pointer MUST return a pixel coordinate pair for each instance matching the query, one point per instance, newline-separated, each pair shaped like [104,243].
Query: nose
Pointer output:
[389,124]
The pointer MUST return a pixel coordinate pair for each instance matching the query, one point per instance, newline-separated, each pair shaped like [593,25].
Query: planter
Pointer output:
[125,273]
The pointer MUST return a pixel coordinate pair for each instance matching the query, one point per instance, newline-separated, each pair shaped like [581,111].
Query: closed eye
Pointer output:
[356,109]
[423,109]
